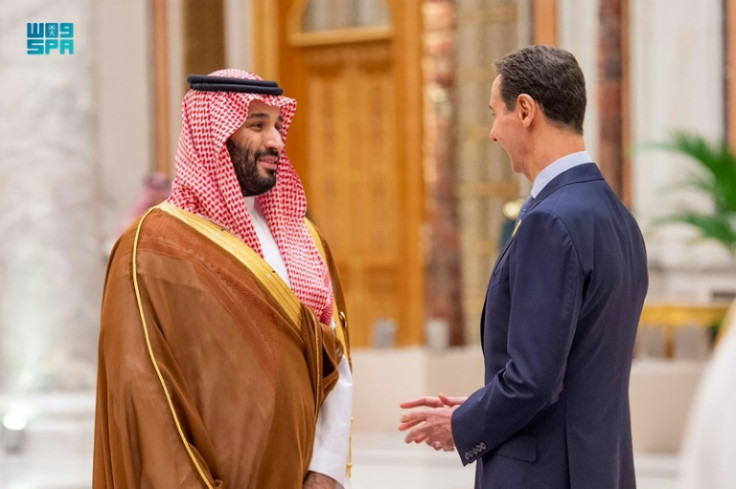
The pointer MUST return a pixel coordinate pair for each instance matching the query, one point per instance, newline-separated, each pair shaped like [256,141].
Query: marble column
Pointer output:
[51,263]
[611,59]
[443,269]
[677,82]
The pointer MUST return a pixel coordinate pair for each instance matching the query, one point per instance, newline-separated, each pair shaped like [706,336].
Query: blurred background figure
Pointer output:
[510,213]
[156,188]
[708,454]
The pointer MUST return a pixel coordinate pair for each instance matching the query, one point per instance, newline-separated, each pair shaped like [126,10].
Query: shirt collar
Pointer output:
[250,203]
[557,167]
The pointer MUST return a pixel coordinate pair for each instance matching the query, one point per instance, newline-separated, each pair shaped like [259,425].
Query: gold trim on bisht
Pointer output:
[245,255]
[338,316]
[160,376]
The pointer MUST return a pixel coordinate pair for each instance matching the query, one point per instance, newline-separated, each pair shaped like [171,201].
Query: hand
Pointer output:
[429,401]
[315,480]
[433,424]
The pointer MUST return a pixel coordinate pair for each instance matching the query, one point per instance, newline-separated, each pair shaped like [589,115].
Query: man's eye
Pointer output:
[257,125]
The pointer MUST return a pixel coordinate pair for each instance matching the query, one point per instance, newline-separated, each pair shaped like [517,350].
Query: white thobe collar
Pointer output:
[271,252]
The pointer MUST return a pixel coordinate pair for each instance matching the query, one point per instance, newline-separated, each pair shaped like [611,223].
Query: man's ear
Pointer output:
[527,109]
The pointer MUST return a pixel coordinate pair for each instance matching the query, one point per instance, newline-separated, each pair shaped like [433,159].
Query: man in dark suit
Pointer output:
[562,306]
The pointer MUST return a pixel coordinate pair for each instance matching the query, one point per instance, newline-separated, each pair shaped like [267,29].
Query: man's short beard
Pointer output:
[245,162]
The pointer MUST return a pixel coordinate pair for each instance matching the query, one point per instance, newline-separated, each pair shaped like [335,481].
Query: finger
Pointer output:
[436,444]
[451,401]
[413,419]
[416,435]
[416,415]
[411,436]
[425,401]
[421,437]
[406,426]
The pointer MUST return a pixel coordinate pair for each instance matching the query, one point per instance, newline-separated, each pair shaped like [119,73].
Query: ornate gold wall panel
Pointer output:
[352,174]
[204,36]
[487,29]
[356,142]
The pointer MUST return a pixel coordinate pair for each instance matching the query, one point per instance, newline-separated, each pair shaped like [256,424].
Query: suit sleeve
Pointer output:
[545,284]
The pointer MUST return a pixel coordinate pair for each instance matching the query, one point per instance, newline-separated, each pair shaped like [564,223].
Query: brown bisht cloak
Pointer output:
[212,373]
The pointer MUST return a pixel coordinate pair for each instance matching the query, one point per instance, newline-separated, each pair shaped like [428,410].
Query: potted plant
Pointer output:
[715,177]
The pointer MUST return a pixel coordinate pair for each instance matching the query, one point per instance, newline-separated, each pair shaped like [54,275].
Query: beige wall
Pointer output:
[123,98]
[577,32]
[385,378]
[677,84]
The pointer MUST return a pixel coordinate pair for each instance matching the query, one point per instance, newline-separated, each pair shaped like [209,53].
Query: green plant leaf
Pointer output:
[713,227]
[715,178]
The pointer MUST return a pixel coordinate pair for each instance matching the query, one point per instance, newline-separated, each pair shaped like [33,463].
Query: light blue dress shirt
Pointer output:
[557,167]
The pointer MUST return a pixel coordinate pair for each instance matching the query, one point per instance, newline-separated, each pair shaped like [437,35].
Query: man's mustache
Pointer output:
[267,152]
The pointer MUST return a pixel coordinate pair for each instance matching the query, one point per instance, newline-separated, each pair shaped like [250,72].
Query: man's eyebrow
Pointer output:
[263,115]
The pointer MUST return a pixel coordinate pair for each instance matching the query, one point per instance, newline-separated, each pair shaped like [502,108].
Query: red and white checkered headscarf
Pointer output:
[206,184]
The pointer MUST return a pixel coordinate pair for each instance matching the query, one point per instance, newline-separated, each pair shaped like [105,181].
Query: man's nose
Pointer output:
[492,136]
[274,140]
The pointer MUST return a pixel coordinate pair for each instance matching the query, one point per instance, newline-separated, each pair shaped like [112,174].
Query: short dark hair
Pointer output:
[549,75]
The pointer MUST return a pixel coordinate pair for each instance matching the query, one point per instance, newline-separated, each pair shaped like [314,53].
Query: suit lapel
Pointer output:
[508,243]
[581,173]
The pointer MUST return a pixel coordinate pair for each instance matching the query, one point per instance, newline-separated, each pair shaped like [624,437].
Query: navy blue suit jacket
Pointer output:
[558,330]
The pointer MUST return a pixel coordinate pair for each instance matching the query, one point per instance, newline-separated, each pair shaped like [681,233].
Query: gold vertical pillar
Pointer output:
[162,161]
[204,36]
[544,18]
[408,25]
[266,54]
[731,71]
